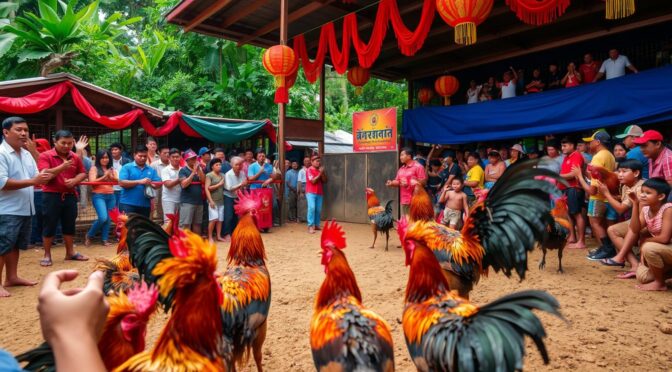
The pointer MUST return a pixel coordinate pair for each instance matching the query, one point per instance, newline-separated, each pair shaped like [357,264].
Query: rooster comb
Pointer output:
[143,296]
[333,235]
[115,215]
[246,202]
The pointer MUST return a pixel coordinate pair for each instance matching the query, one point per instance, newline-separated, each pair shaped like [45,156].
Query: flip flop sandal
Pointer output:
[45,262]
[627,275]
[611,262]
[77,257]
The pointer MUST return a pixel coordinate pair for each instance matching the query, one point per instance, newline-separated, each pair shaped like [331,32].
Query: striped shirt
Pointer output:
[662,165]
[655,224]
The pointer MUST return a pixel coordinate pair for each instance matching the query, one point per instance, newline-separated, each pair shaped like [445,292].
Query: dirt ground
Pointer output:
[610,325]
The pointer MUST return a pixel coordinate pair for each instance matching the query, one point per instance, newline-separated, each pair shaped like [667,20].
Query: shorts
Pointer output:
[169,207]
[191,214]
[216,213]
[601,209]
[576,200]
[655,255]
[14,232]
[452,217]
[58,207]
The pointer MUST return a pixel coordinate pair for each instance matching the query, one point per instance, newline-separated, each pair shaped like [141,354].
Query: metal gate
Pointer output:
[349,175]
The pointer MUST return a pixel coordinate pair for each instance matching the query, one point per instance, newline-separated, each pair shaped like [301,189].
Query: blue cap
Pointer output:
[203,150]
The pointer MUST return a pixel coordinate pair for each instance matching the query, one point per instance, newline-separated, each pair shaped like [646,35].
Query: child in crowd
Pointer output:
[494,169]
[629,175]
[456,204]
[656,248]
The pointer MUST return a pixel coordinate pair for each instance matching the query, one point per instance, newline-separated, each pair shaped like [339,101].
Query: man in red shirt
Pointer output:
[589,69]
[410,170]
[576,196]
[315,177]
[59,198]
[660,155]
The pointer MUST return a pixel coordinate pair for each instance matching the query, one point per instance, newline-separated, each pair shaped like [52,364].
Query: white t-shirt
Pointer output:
[116,164]
[302,175]
[159,166]
[509,89]
[170,174]
[615,68]
[472,94]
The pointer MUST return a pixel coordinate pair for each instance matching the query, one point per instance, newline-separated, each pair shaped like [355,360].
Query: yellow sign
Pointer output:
[375,130]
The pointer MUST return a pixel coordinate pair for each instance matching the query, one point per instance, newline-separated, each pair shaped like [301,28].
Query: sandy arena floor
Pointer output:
[611,326]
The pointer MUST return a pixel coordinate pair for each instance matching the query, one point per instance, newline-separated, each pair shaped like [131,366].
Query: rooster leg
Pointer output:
[256,347]
[387,239]
[560,260]
[542,263]
[375,235]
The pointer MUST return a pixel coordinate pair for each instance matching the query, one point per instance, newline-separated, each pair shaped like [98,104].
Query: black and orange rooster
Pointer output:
[557,231]
[499,232]
[183,266]
[123,334]
[444,332]
[381,218]
[246,286]
[344,335]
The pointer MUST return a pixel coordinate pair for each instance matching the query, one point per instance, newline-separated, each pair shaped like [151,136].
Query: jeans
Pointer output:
[292,204]
[127,208]
[103,203]
[36,223]
[314,209]
[230,217]
[117,198]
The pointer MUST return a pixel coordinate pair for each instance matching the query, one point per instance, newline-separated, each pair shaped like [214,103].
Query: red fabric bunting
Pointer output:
[34,102]
[538,12]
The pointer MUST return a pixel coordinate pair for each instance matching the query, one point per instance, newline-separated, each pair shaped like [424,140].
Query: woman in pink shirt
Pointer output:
[315,177]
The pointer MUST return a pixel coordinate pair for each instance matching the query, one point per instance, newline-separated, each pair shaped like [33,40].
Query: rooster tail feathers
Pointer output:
[388,206]
[493,338]
[149,245]
[513,217]
[40,359]
[421,208]
[333,235]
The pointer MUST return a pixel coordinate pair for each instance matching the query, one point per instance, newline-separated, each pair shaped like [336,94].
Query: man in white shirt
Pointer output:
[302,203]
[171,190]
[118,160]
[18,175]
[615,66]
[159,165]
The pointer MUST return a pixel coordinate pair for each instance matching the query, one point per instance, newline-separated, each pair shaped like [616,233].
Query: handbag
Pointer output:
[150,193]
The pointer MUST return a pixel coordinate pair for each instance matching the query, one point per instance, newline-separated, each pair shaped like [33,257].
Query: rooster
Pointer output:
[499,232]
[183,266]
[123,334]
[603,175]
[381,218]
[344,335]
[445,332]
[246,286]
[557,231]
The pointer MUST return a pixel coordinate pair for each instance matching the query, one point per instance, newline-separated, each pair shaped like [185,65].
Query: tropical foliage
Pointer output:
[127,46]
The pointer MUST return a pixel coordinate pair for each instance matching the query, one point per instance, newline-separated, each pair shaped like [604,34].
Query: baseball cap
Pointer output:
[599,135]
[649,135]
[631,130]
[518,148]
[189,154]
[203,150]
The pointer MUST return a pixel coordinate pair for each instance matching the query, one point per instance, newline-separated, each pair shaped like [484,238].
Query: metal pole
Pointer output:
[322,105]
[281,115]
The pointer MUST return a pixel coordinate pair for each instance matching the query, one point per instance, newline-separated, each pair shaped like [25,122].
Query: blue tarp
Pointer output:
[636,98]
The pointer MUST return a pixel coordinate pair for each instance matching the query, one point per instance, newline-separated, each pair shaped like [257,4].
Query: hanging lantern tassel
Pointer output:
[446,101]
[281,91]
[617,9]
[465,33]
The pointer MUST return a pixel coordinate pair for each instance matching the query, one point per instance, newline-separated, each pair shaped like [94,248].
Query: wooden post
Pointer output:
[134,138]
[59,119]
[320,143]
[282,114]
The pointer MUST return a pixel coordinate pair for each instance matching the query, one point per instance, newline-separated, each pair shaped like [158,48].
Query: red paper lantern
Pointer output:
[280,61]
[446,86]
[358,76]
[538,12]
[425,95]
[464,16]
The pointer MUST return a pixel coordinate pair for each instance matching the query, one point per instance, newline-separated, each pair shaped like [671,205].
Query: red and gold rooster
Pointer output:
[123,334]
[344,335]
[605,176]
[445,332]
[183,266]
[557,231]
[381,218]
[246,286]
[499,232]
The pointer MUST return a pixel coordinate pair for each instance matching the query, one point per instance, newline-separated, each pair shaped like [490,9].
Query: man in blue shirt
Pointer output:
[291,178]
[133,177]
[260,171]
[634,152]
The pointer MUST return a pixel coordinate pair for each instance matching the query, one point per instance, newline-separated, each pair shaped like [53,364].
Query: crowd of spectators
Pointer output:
[516,82]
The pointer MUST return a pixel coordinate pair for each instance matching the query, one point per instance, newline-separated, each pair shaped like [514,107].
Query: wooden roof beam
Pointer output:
[207,13]
[242,13]
[182,6]
[301,12]
[558,43]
